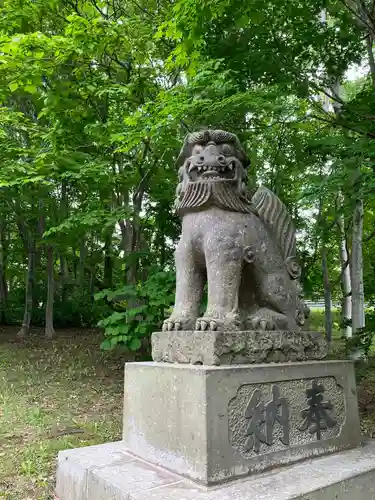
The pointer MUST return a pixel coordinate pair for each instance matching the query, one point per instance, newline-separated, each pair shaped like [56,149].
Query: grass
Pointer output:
[65,393]
[54,395]
[316,321]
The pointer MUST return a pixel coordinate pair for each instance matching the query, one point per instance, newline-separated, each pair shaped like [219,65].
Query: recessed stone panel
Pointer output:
[264,418]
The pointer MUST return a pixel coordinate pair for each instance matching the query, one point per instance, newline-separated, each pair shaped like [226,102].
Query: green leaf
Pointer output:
[32,89]
[135,311]
[124,328]
[135,344]
[106,345]
[112,330]
[13,86]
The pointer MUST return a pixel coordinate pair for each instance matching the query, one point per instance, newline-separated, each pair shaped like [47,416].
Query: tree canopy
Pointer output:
[96,97]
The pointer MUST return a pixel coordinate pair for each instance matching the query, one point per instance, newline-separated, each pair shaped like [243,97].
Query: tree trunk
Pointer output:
[49,330]
[122,200]
[29,286]
[81,265]
[125,243]
[91,284]
[358,299]
[327,296]
[132,272]
[108,259]
[346,285]
[3,296]
[132,266]
[3,281]
[63,262]
[64,277]
[370,53]
[75,266]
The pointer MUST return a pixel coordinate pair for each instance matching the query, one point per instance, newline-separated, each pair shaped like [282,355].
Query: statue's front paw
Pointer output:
[206,324]
[217,320]
[178,323]
[170,325]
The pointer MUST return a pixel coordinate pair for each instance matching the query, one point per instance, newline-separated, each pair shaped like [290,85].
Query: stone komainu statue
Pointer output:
[244,248]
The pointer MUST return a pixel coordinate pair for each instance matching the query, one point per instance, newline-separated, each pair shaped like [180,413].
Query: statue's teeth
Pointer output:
[230,166]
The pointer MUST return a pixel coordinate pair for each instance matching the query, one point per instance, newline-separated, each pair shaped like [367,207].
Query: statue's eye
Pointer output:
[227,150]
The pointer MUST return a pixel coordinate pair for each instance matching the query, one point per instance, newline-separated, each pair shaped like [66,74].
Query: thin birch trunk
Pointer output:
[346,285]
[327,296]
[358,298]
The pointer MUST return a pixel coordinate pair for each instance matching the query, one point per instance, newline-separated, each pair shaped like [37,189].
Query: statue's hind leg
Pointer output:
[276,301]
[275,293]
[267,319]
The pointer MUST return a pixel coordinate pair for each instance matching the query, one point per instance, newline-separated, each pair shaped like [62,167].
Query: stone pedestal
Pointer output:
[234,347]
[196,432]
[215,424]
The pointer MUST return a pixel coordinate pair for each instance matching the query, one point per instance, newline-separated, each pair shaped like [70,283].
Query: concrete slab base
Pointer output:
[110,472]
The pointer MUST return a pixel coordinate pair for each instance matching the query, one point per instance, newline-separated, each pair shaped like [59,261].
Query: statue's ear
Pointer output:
[184,153]
[246,162]
[244,159]
[241,155]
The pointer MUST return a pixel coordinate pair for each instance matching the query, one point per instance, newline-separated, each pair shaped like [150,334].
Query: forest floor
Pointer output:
[64,394]
[54,395]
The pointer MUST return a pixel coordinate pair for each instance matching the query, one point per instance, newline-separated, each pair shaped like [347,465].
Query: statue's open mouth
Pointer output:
[210,173]
[219,171]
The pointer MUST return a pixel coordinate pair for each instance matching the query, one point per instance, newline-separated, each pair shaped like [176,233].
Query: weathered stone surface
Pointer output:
[220,348]
[292,429]
[244,247]
[117,481]
[213,424]
[73,467]
[342,476]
